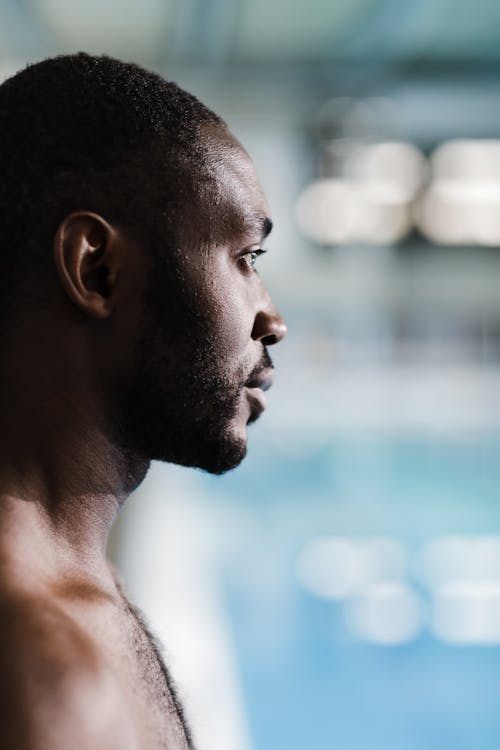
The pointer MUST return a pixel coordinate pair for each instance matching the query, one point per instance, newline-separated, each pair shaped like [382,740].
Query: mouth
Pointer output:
[263,381]
[255,391]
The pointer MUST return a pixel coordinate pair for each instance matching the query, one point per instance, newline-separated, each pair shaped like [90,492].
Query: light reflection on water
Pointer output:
[389,656]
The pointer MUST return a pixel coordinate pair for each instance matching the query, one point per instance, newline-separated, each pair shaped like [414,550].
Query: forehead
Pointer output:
[235,198]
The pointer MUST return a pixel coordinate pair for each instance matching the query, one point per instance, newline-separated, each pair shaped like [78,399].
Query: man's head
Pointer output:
[147,213]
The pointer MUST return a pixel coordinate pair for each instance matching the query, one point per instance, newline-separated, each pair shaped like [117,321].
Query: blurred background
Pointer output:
[341,589]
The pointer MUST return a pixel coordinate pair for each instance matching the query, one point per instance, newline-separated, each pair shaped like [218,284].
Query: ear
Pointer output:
[87,257]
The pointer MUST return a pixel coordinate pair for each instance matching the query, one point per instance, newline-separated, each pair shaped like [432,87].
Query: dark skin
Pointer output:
[77,669]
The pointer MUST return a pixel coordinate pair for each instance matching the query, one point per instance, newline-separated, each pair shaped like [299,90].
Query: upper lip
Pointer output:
[263,380]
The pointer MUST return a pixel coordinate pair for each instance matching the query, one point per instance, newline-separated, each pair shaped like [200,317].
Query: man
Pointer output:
[134,326]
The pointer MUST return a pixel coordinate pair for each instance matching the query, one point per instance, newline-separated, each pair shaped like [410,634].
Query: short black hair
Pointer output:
[82,132]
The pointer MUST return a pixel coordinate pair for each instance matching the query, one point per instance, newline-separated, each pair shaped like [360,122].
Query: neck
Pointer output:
[57,506]
[62,481]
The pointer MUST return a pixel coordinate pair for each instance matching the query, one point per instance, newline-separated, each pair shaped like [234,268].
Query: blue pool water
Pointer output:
[309,682]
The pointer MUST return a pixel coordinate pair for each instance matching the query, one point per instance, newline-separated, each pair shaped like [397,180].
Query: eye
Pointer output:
[249,258]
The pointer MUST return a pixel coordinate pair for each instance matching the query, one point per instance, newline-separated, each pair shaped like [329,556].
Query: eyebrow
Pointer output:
[256,223]
[266,226]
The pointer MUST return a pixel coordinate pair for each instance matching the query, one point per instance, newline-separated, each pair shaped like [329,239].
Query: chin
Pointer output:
[213,462]
[228,460]
[222,457]
[216,442]
[216,456]
[220,452]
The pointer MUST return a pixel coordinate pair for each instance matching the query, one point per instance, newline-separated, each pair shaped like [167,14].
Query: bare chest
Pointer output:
[144,678]
[153,682]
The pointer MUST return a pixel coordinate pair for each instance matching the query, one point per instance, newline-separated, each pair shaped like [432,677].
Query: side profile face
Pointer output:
[200,364]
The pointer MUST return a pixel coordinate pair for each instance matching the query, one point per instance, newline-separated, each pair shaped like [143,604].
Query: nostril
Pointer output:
[268,327]
[270,339]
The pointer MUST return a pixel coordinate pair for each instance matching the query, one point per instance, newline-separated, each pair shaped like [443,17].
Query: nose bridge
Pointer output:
[269,327]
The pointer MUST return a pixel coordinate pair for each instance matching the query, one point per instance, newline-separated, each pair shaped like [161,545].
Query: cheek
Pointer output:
[231,313]
[220,295]
[232,326]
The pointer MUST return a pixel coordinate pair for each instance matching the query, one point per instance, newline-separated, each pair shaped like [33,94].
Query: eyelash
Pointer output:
[252,255]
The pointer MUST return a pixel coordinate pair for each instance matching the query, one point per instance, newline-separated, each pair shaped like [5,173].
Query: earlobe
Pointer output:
[87,262]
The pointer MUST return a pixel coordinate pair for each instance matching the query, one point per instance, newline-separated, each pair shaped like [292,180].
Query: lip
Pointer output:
[257,397]
[263,381]
[255,391]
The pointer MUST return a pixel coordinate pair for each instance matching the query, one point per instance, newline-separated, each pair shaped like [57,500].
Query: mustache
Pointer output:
[264,363]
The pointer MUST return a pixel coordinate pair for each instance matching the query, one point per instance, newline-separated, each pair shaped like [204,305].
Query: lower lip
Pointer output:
[257,398]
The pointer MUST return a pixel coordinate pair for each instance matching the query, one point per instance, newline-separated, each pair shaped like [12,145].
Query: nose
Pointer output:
[269,327]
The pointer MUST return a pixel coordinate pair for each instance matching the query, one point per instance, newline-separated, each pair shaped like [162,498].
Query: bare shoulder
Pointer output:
[56,690]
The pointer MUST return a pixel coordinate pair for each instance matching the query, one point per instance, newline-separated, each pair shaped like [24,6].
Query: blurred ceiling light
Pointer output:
[333,567]
[459,212]
[477,192]
[383,216]
[398,165]
[326,211]
[466,159]
[336,211]
[389,613]
[119,27]
[374,201]
[467,613]
[451,560]
[462,203]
